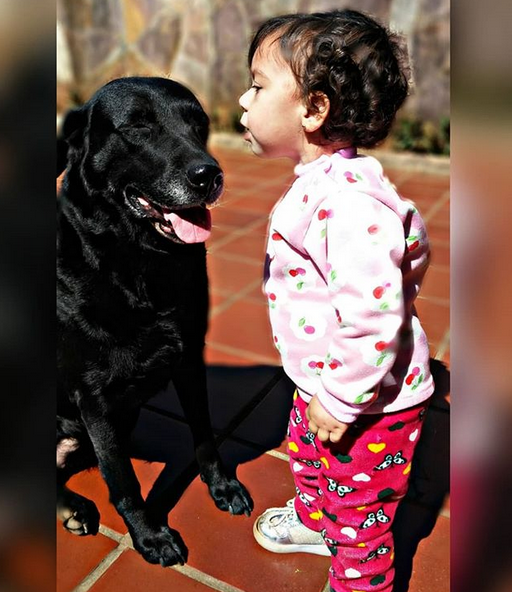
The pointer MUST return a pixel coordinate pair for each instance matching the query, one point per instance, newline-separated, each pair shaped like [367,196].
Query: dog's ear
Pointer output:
[71,136]
[62,154]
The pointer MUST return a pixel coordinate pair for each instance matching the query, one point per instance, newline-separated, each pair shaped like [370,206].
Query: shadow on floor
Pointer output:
[430,481]
[250,408]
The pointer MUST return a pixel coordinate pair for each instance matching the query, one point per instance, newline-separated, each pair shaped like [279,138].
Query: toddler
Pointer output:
[345,260]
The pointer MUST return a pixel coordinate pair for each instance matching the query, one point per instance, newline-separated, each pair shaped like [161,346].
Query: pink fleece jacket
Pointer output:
[346,256]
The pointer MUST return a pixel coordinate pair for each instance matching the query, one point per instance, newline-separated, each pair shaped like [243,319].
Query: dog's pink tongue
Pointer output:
[192,225]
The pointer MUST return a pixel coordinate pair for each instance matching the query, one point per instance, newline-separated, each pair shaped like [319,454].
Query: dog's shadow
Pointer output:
[250,408]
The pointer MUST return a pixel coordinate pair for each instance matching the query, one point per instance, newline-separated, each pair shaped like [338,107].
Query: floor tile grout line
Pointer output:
[219,433]
[445,513]
[235,232]
[402,177]
[228,431]
[270,201]
[206,579]
[235,297]
[279,455]
[191,572]
[226,293]
[445,197]
[436,300]
[240,228]
[125,542]
[263,184]
[441,268]
[258,301]
[243,353]
[444,346]
[255,262]
[111,534]
[439,243]
[438,224]
[235,422]
[256,212]
[100,569]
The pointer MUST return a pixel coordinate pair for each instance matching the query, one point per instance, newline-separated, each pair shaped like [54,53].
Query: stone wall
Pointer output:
[203,44]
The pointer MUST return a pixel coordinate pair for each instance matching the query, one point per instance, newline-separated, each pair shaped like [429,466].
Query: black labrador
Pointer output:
[133,296]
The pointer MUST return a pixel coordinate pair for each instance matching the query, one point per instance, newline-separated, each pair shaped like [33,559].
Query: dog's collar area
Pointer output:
[184,225]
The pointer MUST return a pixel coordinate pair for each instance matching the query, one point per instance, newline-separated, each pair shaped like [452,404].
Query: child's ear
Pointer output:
[315,116]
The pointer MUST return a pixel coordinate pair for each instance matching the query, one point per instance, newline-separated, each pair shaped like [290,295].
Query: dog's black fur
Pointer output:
[132,297]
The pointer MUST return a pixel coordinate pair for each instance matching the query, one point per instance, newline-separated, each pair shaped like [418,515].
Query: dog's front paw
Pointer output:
[230,495]
[79,515]
[163,545]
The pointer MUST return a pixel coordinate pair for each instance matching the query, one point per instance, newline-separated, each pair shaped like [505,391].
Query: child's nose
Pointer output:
[243,101]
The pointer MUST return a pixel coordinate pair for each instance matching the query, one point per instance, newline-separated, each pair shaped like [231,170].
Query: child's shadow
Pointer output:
[430,481]
[250,408]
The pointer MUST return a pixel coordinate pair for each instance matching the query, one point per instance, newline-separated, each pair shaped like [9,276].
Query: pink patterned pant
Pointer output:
[350,491]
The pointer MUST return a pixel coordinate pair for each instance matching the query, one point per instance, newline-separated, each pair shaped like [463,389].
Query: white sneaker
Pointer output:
[279,530]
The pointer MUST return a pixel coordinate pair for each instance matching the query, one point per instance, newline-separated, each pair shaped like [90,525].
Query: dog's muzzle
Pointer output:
[206,180]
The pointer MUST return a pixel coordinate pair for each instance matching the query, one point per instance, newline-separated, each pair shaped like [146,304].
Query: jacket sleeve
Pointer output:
[363,252]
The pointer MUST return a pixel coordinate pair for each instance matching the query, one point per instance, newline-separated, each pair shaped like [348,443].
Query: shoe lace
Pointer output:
[287,517]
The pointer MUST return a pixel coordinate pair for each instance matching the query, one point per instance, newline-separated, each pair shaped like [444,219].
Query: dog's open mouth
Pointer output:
[184,225]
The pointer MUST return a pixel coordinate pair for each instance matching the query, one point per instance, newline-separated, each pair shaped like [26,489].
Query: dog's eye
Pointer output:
[136,130]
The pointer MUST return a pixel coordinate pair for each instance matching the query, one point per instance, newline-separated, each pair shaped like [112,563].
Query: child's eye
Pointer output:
[255,87]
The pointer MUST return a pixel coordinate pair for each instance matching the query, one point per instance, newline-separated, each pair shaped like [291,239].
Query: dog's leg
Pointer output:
[79,515]
[227,492]
[155,541]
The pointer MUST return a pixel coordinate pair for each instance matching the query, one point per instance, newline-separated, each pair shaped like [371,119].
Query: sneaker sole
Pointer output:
[269,545]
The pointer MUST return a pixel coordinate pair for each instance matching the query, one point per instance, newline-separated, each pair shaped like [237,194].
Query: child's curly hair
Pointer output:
[356,62]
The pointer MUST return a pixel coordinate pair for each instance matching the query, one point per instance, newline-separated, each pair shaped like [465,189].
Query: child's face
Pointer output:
[272,109]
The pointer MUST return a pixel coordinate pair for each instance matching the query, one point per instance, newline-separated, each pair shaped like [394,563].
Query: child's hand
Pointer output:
[323,424]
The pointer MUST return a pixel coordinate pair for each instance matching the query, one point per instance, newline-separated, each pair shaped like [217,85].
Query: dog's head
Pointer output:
[142,143]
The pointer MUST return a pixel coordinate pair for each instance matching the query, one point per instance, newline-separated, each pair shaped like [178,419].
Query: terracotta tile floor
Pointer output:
[250,398]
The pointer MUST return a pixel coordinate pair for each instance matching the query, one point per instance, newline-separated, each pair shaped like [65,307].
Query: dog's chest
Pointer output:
[135,317]
[169,303]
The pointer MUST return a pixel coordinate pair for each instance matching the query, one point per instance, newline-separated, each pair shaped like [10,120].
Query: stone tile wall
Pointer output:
[203,44]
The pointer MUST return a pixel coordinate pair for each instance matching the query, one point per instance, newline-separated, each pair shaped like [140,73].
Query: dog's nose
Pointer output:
[206,178]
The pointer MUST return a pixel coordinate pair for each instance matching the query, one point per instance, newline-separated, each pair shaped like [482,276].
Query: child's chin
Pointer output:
[256,148]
